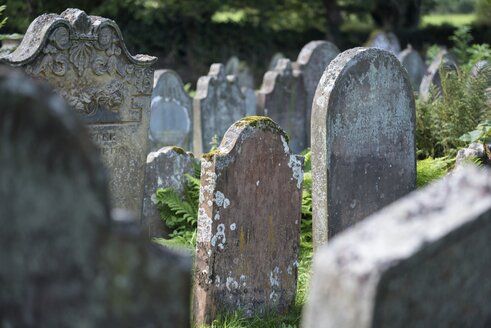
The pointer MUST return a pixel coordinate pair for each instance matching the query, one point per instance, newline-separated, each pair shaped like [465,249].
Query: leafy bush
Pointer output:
[483,11]
[431,169]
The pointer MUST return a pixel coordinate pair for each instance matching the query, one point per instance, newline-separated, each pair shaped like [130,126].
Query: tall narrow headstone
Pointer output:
[363,139]
[283,98]
[84,58]
[248,223]
[218,103]
[166,168]
[423,261]
[64,261]
[312,60]
[384,40]
[414,65]
[444,62]
[171,115]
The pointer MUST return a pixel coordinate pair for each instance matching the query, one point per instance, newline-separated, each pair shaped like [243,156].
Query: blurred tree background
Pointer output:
[189,35]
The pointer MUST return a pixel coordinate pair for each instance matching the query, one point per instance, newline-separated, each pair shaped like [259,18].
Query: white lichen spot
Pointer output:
[233,226]
[209,203]
[296,221]
[217,217]
[226,203]
[231,284]
[204,226]
[221,200]
[274,280]
[217,281]
[153,198]
[219,236]
[294,163]
[289,270]
[257,183]
[159,181]
[209,252]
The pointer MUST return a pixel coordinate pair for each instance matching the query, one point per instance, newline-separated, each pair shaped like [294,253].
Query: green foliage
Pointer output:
[3,21]
[215,142]
[431,53]
[461,39]
[483,12]
[482,134]
[431,169]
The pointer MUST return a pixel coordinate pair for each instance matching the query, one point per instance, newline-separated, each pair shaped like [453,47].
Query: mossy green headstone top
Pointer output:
[85,59]
[363,139]
[423,261]
[248,223]
[66,260]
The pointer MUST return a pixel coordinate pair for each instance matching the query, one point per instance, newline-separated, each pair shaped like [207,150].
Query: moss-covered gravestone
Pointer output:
[363,139]
[423,261]
[218,103]
[63,261]
[171,117]
[248,223]
[283,98]
[85,59]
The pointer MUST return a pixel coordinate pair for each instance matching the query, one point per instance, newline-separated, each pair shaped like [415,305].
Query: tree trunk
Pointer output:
[334,20]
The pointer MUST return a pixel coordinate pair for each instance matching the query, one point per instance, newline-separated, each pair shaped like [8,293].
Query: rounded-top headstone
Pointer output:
[384,40]
[363,139]
[171,122]
[414,65]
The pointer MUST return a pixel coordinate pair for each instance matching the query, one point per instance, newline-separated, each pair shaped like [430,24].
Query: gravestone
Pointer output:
[312,61]
[241,71]
[420,262]
[414,65]
[283,98]
[171,120]
[248,223]
[274,60]
[166,168]
[385,41]
[85,60]
[250,101]
[363,139]
[445,62]
[64,261]
[218,103]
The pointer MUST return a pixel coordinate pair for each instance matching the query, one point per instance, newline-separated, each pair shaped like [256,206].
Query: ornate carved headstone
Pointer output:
[385,41]
[445,62]
[363,139]
[312,61]
[423,261]
[171,120]
[283,98]
[218,103]
[414,65]
[64,262]
[166,168]
[248,223]
[85,60]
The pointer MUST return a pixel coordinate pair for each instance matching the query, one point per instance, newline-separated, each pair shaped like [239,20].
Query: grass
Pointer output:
[456,20]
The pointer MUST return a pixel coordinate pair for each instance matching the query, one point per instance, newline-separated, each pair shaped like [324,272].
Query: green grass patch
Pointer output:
[456,20]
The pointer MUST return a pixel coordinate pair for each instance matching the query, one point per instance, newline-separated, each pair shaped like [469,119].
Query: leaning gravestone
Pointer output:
[414,65]
[283,98]
[64,263]
[166,168]
[363,139]
[443,62]
[171,120]
[385,41]
[312,60]
[248,223]
[85,60]
[423,261]
[218,103]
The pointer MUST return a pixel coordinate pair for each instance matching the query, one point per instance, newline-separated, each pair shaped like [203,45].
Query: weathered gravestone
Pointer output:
[218,103]
[274,60]
[250,101]
[171,120]
[64,263]
[414,65]
[363,142]
[241,71]
[248,223]
[283,98]
[166,168]
[85,60]
[443,62]
[423,261]
[385,41]
[312,60]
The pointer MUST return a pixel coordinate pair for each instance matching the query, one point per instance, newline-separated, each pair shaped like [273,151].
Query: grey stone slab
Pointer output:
[248,223]
[85,59]
[385,41]
[65,262]
[250,101]
[241,71]
[166,168]
[283,98]
[218,103]
[274,60]
[443,62]
[414,65]
[363,139]
[312,61]
[171,115]
[423,261]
